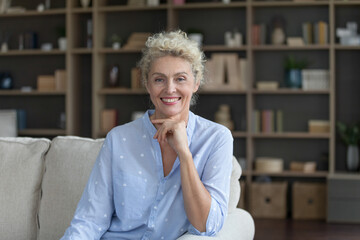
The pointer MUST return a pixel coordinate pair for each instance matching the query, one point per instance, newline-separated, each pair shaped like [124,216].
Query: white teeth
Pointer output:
[170,100]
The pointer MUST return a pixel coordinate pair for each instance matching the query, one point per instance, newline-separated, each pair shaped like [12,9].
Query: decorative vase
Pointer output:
[116,45]
[62,43]
[223,117]
[278,36]
[197,37]
[293,78]
[352,158]
[85,3]
[114,76]
[6,81]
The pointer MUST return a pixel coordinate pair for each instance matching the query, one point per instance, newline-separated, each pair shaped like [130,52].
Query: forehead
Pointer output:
[170,64]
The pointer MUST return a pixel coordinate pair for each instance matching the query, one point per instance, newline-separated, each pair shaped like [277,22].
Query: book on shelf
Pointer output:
[267,121]
[315,79]
[226,71]
[60,80]
[258,34]
[315,33]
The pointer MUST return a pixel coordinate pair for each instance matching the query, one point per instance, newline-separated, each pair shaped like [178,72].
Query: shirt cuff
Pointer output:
[214,221]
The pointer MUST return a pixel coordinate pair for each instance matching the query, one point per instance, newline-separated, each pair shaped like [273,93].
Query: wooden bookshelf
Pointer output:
[87,68]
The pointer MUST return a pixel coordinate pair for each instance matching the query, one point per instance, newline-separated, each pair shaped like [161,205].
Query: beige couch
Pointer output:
[41,182]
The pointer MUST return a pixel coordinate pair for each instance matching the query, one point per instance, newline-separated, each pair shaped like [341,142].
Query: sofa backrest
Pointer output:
[68,166]
[21,171]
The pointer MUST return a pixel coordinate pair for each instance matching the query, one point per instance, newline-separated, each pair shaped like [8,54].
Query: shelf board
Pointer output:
[82,10]
[209,5]
[347,3]
[308,3]
[296,135]
[121,50]
[223,48]
[225,92]
[29,13]
[239,134]
[288,91]
[81,51]
[32,52]
[342,47]
[271,47]
[125,8]
[287,173]
[122,91]
[31,93]
[345,175]
[41,132]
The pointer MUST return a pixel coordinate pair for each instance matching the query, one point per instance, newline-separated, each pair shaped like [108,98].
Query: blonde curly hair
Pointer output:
[172,43]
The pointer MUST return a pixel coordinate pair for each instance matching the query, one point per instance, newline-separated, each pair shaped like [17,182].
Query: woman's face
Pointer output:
[171,84]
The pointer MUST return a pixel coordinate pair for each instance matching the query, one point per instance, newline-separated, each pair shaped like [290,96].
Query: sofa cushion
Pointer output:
[21,172]
[68,166]
[234,185]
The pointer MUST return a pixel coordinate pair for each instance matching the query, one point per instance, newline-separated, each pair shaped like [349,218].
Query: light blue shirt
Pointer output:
[127,195]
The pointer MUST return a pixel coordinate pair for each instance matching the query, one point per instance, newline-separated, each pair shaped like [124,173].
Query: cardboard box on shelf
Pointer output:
[269,164]
[60,80]
[319,126]
[306,167]
[46,83]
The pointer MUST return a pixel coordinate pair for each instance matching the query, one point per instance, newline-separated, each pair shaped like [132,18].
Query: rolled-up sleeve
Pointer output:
[216,179]
[95,209]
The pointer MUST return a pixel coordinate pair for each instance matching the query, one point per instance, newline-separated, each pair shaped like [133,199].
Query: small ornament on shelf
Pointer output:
[196,35]
[114,76]
[350,135]
[278,33]
[85,3]
[348,36]
[115,41]
[62,42]
[233,39]
[223,116]
[89,33]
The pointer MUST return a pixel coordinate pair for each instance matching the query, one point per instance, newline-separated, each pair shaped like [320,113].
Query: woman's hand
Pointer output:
[173,132]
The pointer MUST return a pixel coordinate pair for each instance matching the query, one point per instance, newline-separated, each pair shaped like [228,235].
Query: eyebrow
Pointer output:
[162,74]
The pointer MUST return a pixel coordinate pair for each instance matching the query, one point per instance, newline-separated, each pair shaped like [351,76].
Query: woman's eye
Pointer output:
[158,80]
[180,79]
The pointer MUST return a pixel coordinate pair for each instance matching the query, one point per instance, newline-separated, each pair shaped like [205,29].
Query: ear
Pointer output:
[196,86]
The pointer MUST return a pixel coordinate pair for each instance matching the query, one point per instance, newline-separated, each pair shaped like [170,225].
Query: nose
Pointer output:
[170,87]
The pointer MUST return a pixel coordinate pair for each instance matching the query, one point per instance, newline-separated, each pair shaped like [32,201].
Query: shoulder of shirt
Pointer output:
[131,127]
[203,124]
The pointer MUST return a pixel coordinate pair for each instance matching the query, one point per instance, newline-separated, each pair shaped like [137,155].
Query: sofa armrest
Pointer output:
[238,225]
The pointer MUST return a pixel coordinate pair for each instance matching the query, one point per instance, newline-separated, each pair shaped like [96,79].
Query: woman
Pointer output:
[168,172]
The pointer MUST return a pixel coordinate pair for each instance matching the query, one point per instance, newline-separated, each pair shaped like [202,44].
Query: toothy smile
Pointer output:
[170,100]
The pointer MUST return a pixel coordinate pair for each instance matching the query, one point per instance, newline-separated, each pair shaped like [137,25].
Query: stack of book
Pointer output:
[315,79]
[315,33]
[226,71]
[267,121]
